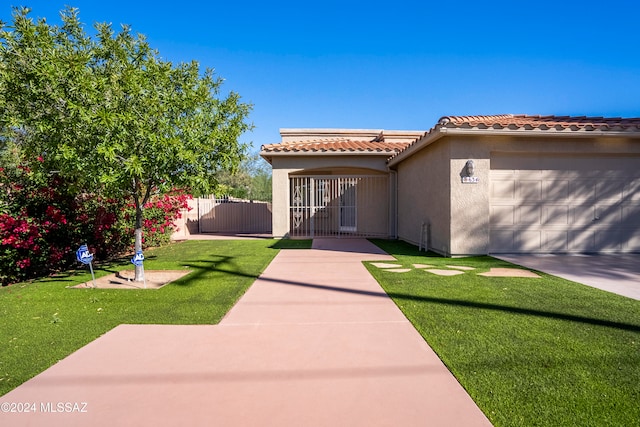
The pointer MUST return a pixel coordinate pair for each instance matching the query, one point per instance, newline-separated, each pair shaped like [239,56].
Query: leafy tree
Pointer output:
[110,115]
[252,180]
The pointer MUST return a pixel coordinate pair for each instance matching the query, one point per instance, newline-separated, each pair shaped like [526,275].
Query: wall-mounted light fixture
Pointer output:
[468,173]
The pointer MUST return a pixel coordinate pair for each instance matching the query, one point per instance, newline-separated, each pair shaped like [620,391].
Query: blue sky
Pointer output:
[392,65]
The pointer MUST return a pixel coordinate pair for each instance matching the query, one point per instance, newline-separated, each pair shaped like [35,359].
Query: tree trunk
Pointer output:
[138,244]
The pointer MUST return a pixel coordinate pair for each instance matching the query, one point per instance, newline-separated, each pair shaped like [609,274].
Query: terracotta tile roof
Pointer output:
[499,123]
[527,122]
[541,125]
[337,145]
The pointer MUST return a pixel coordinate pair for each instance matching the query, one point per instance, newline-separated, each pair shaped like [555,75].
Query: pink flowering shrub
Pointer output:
[42,224]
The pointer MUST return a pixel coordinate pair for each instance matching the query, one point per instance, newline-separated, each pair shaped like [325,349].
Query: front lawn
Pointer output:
[43,321]
[530,352]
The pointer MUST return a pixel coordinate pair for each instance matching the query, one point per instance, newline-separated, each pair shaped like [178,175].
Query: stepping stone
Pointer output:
[398,270]
[422,266]
[385,265]
[445,272]
[460,267]
[509,272]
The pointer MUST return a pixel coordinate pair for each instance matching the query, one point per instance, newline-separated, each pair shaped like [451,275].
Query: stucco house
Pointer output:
[470,185]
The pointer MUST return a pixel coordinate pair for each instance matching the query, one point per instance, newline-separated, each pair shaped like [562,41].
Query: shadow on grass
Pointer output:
[399,247]
[462,303]
[292,244]
[220,263]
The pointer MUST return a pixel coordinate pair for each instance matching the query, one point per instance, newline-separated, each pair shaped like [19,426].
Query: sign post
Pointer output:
[138,261]
[84,256]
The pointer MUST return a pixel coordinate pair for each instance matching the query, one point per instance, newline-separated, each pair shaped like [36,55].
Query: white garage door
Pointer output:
[567,203]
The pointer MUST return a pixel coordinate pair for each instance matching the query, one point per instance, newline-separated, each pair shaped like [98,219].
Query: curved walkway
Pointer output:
[315,341]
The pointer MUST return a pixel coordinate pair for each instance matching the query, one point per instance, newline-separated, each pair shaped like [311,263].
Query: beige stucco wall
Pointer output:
[430,187]
[373,202]
[284,166]
[423,194]
[469,228]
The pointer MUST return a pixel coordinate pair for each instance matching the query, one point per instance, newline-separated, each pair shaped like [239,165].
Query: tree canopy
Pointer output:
[108,113]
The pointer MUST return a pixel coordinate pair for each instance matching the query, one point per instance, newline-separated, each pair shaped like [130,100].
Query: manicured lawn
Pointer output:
[530,352]
[43,322]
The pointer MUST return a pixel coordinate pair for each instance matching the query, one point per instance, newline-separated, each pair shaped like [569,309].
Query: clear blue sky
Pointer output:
[392,65]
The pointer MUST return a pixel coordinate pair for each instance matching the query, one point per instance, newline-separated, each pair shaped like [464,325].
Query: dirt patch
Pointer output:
[508,272]
[155,279]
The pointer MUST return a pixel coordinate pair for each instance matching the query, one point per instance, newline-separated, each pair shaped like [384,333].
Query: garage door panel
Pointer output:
[565,203]
[632,241]
[502,241]
[608,214]
[582,189]
[632,191]
[582,214]
[631,215]
[555,241]
[555,190]
[555,215]
[610,190]
[608,240]
[503,188]
[529,241]
[528,214]
[503,215]
[581,241]
[529,190]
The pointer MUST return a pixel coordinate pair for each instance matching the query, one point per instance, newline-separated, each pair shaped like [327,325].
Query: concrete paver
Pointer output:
[315,341]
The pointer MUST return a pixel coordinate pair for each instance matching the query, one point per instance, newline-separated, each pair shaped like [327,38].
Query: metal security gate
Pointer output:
[345,206]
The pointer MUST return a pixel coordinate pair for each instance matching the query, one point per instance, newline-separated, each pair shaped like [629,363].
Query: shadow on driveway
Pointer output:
[618,274]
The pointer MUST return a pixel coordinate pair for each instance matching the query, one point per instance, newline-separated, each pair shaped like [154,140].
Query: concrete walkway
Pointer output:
[315,341]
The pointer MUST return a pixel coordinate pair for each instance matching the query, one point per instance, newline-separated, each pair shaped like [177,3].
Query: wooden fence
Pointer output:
[224,216]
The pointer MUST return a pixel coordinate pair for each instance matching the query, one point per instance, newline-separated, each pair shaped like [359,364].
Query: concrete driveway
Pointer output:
[618,273]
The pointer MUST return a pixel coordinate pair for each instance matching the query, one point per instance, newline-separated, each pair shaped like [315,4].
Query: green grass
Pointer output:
[530,352]
[43,321]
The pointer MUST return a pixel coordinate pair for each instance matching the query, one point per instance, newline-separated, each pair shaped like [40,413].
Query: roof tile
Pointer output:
[517,121]
[342,145]
[509,122]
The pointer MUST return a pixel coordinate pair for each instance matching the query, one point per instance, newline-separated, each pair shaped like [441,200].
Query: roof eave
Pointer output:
[266,156]
[580,133]
[441,131]
[428,139]
[271,154]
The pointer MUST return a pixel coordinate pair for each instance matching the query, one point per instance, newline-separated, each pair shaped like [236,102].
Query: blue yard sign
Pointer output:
[84,256]
[137,259]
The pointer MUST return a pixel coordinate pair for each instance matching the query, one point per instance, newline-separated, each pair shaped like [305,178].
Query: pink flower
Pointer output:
[24,263]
